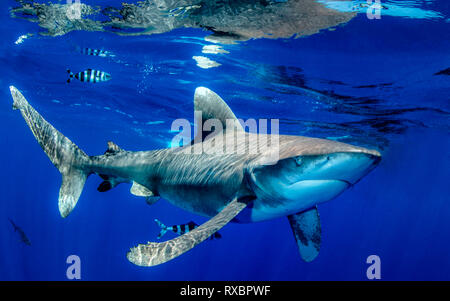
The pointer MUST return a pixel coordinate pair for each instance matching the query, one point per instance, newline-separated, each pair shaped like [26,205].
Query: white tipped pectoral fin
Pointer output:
[307,232]
[152,254]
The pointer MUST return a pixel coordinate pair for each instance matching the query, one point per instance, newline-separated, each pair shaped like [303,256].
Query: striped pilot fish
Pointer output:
[95,52]
[89,75]
[181,229]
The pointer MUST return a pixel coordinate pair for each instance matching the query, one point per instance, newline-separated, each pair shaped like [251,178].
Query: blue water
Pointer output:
[368,82]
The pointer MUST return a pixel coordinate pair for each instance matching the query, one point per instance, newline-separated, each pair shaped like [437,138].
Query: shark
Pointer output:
[23,236]
[238,187]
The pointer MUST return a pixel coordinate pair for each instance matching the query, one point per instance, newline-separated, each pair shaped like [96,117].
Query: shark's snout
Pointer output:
[348,167]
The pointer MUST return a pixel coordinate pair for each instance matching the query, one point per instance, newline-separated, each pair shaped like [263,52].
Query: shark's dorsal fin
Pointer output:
[307,232]
[113,148]
[208,105]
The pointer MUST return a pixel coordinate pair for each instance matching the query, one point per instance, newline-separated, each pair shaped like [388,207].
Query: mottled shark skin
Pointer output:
[250,177]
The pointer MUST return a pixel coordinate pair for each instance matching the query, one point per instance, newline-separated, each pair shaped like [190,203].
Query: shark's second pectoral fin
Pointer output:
[307,231]
[152,253]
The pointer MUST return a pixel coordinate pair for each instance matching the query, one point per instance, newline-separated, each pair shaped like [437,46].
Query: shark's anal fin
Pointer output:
[307,231]
[152,254]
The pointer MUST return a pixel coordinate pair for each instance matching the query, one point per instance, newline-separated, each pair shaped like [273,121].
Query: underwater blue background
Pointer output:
[369,82]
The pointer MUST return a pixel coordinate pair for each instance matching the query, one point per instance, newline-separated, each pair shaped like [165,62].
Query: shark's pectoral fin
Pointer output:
[307,232]
[156,253]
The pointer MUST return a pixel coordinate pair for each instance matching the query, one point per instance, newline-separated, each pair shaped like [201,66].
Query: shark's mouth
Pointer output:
[299,183]
[293,198]
[306,193]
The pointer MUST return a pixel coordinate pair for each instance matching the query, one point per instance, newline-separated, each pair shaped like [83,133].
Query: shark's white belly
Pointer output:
[292,199]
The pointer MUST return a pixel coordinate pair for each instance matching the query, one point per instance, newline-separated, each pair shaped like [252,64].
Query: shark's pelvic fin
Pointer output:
[211,106]
[139,190]
[307,231]
[71,161]
[152,254]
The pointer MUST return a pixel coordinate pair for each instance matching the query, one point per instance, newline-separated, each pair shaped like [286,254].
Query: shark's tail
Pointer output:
[163,227]
[71,161]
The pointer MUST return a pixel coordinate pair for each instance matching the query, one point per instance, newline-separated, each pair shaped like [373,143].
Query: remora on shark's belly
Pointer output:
[243,187]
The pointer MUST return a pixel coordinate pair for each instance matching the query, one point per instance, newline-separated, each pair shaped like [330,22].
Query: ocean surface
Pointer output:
[374,77]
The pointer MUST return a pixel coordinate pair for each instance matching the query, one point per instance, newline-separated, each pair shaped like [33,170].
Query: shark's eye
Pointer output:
[298,161]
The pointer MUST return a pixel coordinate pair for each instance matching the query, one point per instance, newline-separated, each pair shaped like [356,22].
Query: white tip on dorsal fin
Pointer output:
[211,106]
[113,148]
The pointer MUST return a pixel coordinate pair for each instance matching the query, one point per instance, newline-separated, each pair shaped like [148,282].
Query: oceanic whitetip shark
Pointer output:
[240,187]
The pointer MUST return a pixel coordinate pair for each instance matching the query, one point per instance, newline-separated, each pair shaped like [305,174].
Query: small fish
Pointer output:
[181,229]
[96,52]
[89,75]
[23,236]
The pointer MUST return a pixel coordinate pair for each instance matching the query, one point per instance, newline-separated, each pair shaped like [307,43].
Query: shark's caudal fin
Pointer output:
[71,161]
[307,232]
